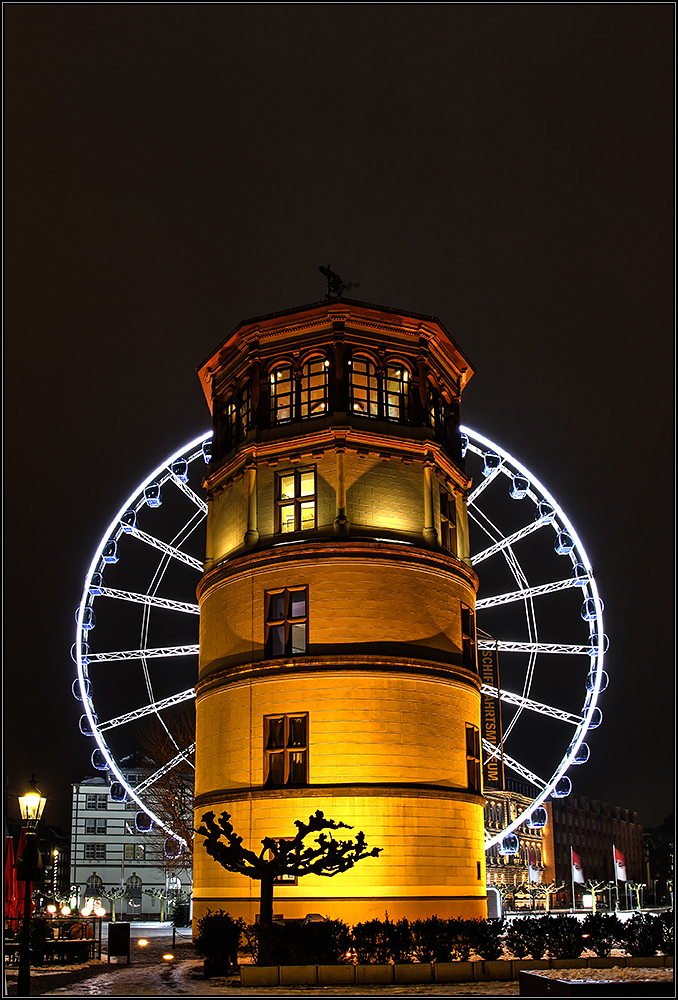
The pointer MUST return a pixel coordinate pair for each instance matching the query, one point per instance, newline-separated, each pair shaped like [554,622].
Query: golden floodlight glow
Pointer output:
[168,957]
[142,942]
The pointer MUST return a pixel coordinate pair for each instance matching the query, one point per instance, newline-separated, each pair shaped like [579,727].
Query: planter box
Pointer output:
[373,974]
[532,984]
[336,975]
[298,975]
[259,975]
[416,972]
[487,971]
[453,972]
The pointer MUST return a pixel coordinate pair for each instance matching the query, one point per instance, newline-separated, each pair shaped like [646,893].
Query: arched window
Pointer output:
[314,388]
[95,884]
[282,395]
[245,411]
[363,388]
[396,394]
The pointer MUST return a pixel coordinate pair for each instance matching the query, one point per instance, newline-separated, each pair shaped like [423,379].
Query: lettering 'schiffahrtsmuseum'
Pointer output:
[338,666]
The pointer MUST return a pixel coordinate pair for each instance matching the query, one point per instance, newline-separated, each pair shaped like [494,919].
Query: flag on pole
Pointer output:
[577,871]
[619,865]
[533,870]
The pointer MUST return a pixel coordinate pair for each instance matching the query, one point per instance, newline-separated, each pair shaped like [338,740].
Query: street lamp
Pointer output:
[28,866]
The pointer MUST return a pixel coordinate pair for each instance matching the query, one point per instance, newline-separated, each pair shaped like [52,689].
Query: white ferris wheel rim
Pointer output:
[114,531]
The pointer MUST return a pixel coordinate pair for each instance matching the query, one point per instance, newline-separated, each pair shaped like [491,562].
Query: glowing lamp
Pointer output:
[65,910]
[51,909]
[142,942]
[168,957]
[99,911]
[86,910]
[32,803]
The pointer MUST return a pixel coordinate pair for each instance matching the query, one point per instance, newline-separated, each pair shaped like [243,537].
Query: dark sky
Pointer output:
[173,169]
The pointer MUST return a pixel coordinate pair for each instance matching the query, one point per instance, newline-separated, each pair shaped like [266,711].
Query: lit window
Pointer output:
[282,396]
[396,398]
[286,622]
[285,750]
[314,389]
[473,758]
[448,522]
[95,883]
[468,638]
[245,411]
[296,500]
[363,388]
[135,852]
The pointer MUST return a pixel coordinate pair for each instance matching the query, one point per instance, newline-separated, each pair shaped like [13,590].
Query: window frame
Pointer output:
[373,386]
[474,781]
[286,750]
[306,389]
[94,851]
[297,500]
[288,620]
[469,643]
[448,525]
[402,376]
[274,396]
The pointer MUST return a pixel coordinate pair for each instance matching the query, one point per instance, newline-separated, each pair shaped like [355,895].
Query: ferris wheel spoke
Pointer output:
[198,501]
[157,602]
[483,485]
[521,595]
[183,755]
[169,550]
[531,647]
[493,751]
[533,706]
[151,709]
[507,542]
[143,654]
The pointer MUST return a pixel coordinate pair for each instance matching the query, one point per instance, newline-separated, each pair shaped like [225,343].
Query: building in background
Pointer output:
[658,847]
[592,829]
[111,856]
[521,877]
[338,666]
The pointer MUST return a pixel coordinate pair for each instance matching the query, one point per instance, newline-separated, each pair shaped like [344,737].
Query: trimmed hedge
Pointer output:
[434,939]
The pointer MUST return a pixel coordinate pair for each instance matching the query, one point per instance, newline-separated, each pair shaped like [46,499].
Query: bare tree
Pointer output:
[168,748]
[284,857]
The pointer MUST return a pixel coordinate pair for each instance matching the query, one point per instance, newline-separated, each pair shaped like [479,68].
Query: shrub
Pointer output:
[382,941]
[643,935]
[487,939]
[666,923]
[604,931]
[323,942]
[565,938]
[218,937]
[516,941]
[460,938]
[532,932]
[431,940]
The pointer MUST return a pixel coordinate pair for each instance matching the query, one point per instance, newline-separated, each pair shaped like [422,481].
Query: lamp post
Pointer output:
[28,868]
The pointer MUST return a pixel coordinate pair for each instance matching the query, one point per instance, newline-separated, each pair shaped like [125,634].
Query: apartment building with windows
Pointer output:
[109,853]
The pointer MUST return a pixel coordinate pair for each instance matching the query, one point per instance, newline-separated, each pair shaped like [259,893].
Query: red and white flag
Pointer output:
[619,865]
[533,870]
[577,871]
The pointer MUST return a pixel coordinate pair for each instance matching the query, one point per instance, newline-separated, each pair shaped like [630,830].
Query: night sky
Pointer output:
[173,169]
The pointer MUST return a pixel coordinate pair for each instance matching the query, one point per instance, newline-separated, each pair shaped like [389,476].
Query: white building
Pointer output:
[110,854]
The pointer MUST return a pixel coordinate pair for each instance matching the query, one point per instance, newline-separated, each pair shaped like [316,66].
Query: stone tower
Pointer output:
[337,632]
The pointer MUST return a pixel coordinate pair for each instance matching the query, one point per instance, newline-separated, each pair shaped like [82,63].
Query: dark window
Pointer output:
[95,852]
[95,883]
[286,622]
[95,826]
[396,396]
[363,387]
[473,758]
[448,522]
[245,411]
[468,638]
[286,750]
[282,395]
[296,500]
[314,388]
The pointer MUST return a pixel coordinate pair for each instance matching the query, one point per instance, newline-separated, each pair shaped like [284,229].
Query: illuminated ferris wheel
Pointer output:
[537,590]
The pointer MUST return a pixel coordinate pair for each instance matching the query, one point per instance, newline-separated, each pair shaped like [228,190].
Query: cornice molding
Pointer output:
[358,790]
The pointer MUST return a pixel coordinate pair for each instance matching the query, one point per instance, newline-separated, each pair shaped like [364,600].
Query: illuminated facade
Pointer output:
[338,666]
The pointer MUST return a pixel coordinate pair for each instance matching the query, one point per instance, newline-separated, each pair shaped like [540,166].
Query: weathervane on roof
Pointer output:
[335,286]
